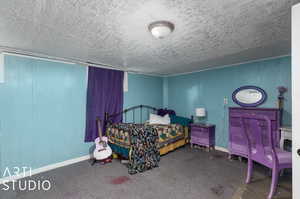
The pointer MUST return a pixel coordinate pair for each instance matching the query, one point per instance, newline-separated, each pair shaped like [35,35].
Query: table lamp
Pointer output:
[200,112]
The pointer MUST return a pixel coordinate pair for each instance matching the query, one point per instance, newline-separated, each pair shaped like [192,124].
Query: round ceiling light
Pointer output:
[161,29]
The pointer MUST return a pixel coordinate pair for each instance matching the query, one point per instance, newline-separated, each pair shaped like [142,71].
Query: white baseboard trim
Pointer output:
[219,148]
[43,169]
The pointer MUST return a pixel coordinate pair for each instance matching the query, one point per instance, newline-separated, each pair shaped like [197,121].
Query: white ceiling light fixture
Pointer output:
[161,29]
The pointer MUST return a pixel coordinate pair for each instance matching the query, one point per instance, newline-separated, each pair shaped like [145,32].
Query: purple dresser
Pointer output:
[237,143]
[203,135]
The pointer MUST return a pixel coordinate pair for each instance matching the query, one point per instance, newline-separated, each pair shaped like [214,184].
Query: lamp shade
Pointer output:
[200,112]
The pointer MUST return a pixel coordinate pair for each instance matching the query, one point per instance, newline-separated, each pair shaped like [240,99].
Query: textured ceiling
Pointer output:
[207,33]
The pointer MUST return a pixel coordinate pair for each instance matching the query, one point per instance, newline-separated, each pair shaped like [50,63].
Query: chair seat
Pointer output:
[284,157]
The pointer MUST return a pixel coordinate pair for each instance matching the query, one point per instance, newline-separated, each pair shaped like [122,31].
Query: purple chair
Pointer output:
[262,149]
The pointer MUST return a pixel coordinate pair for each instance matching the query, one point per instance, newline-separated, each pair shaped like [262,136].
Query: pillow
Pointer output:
[156,119]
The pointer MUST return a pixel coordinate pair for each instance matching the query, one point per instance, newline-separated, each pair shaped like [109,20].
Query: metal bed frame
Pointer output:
[125,112]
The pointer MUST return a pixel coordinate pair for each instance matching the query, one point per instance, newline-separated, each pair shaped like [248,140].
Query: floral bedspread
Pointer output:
[168,133]
[142,140]
[119,134]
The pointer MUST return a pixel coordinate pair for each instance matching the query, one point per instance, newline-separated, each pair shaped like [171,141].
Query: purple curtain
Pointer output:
[104,94]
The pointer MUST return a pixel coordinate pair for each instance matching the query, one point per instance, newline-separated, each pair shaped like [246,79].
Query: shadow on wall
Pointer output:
[287,118]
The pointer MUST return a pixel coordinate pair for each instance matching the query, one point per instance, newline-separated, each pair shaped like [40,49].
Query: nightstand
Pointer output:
[203,135]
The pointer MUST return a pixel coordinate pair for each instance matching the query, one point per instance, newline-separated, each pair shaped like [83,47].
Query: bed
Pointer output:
[157,139]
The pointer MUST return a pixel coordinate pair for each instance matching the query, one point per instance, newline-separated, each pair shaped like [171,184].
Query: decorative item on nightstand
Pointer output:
[200,112]
[203,135]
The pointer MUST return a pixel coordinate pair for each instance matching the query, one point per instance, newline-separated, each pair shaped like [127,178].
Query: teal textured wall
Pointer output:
[143,89]
[208,89]
[165,92]
[42,110]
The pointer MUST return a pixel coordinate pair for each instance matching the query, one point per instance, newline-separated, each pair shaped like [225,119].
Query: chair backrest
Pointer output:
[259,137]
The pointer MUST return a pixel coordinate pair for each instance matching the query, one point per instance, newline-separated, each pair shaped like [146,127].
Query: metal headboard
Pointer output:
[125,113]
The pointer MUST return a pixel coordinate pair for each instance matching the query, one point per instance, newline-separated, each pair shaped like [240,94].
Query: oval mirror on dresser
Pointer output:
[249,96]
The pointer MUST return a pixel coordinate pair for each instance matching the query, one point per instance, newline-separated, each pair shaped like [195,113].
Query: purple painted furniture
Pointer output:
[237,142]
[203,135]
[261,150]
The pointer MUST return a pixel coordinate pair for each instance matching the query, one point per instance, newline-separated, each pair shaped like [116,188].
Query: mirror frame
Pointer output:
[261,101]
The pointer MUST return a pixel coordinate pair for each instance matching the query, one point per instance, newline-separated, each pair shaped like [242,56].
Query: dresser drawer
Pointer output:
[236,122]
[200,134]
[199,129]
[200,141]
[273,115]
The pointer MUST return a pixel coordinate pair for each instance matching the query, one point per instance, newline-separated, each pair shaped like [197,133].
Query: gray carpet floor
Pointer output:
[183,174]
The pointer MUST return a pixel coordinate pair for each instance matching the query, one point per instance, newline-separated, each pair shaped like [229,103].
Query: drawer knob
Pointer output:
[298,151]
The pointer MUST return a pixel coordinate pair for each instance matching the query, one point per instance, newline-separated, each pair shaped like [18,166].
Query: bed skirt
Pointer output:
[124,152]
[171,147]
